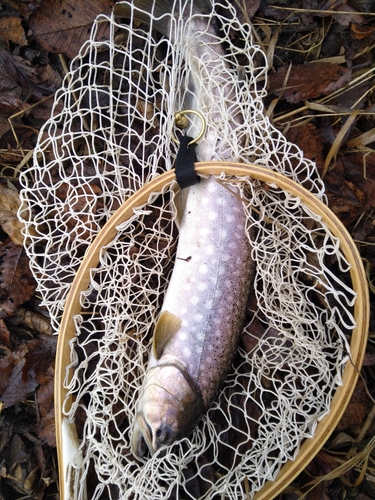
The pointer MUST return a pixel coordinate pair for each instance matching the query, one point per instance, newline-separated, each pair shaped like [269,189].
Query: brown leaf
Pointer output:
[63,26]
[39,358]
[46,426]
[27,368]
[356,411]
[308,81]
[310,141]
[25,74]
[30,320]
[6,368]
[359,32]
[352,15]
[9,204]
[17,284]
[19,80]
[17,388]
[4,334]
[11,29]
[25,8]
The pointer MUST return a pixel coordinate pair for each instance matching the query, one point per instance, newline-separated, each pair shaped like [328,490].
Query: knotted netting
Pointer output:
[109,134]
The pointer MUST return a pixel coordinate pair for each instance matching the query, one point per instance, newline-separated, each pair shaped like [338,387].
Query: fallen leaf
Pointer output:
[26,369]
[17,284]
[19,81]
[9,205]
[17,389]
[356,411]
[310,141]
[30,319]
[11,29]
[24,7]
[25,74]
[63,26]
[308,81]
[40,356]
[4,334]
[46,426]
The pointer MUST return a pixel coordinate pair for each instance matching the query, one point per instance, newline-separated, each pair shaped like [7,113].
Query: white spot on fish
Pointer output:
[186,352]
[209,250]
[198,317]
[203,269]
[194,300]
[212,215]
[182,336]
[204,231]
[202,286]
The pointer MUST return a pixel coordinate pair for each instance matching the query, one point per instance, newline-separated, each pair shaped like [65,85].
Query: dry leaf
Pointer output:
[27,368]
[63,26]
[310,141]
[24,7]
[356,411]
[17,284]
[19,81]
[308,81]
[9,205]
[46,426]
[4,334]
[11,29]
[31,320]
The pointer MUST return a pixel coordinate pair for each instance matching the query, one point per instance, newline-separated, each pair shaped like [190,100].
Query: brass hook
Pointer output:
[182,122]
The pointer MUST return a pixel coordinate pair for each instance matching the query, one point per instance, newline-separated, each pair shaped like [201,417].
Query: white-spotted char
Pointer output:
[204,308]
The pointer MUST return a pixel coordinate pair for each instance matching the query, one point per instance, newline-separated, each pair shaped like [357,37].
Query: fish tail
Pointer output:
[143,9]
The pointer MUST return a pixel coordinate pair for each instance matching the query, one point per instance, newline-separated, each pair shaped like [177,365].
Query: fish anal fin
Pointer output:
[166,327]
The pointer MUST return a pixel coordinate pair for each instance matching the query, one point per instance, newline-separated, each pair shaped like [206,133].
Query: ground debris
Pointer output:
[327,49]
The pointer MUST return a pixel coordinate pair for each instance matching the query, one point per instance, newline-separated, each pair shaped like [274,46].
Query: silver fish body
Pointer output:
[205,304]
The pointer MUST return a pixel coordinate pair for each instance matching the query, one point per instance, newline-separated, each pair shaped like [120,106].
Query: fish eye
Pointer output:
[164,435]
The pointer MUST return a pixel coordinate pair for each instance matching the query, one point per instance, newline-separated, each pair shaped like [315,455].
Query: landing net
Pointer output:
[110,133]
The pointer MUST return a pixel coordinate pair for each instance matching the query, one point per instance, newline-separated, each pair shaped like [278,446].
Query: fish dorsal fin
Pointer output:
[166,327]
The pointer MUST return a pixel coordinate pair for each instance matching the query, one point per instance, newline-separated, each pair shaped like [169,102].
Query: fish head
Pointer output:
[168,408]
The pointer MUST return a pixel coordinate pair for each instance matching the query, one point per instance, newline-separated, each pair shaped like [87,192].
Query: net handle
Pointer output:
[310,447]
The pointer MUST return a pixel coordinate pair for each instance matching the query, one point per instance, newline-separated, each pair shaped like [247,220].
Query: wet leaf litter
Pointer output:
[348,179]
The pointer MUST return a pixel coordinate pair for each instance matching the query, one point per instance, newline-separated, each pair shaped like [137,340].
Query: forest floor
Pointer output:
[321,96]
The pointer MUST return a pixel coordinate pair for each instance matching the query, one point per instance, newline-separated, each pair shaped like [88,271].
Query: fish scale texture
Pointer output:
[109,134]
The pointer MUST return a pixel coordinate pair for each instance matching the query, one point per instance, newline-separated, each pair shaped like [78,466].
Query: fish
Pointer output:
[204,307]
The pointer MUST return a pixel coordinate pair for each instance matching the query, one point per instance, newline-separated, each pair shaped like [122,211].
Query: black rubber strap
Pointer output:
[184,166]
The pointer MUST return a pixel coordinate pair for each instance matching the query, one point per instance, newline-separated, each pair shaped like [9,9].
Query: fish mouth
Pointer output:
[142,437]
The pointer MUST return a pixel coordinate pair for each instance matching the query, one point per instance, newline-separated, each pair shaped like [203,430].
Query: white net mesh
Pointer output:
[110,134]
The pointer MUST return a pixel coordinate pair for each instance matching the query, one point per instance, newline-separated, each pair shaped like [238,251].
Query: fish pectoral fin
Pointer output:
[166,327]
